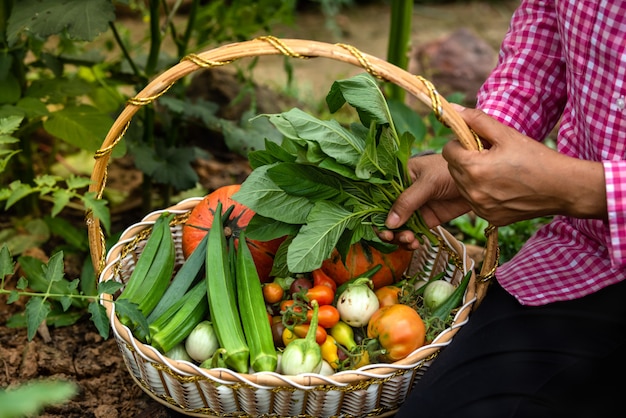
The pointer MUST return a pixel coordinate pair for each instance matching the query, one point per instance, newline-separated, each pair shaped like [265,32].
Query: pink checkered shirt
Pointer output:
[567,59]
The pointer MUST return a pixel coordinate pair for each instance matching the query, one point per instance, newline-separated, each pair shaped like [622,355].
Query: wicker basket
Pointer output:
[374,390]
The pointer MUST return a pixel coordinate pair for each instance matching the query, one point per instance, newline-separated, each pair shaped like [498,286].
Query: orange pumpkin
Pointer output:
[201,218]
[362,257]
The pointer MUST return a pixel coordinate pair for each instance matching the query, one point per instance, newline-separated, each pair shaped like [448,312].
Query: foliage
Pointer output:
[29,399]
[510,237]
[57,98]
[53,298]
[337,182]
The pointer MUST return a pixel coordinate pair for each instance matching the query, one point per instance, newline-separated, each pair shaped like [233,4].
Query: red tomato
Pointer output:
[323,294]
[327,316]
[287,303]
[399,330]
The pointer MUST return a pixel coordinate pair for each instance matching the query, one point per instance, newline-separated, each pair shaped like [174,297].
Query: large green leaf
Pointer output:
[379,158]
[332,138]
[82,20]
[362,93]
[171,165]
[317,238]
[264,197]
[305,180]
[82,126]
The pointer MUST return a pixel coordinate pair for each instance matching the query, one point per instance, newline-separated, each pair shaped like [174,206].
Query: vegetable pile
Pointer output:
[285,272]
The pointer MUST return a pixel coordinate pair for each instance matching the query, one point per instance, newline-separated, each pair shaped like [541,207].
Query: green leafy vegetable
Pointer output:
[326,186]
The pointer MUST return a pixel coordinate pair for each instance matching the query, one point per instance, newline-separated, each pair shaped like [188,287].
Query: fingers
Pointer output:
[483,125]
[408,202]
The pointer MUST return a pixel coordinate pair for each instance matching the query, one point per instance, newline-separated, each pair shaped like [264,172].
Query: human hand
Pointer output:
[432,192]
[518,178]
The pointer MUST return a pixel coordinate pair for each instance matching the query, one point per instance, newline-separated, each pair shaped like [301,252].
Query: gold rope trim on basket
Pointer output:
[361,58]
[142,101]
[281,47]
[435,100]
[204,63]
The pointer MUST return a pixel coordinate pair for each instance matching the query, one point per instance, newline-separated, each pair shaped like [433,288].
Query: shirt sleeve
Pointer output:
[615,178]
[527,89]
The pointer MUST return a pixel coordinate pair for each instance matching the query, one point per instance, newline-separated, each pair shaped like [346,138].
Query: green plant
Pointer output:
[53,298]
[28,399]
[57,95]
[510,237]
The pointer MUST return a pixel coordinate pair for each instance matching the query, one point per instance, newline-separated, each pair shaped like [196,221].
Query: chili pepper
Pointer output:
[330,352]
[321,278]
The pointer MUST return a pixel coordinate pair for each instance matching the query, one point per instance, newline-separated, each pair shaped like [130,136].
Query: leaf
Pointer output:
[362,93]
[54,269]
[61,198]
[29,399]
[332,138]
[73,236]
[36,311]
[99,318]
[22,283]
[99,209]
[249,135]
[10,124]
[109,287]
[264,197]
[317,238]
[82,126]
[82,20]
[19,191]
[405,120]
[273,153]
[13,297]
[6,262]
[171,165]
[261,228]
[379,156]
[38,273]
[305,181]
[131,311]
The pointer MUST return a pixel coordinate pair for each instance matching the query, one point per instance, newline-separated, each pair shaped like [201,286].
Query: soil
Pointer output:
[77,352]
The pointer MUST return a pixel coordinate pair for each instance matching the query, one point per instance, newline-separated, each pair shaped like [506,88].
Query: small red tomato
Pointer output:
[289,304]
[327,316]
[323,294]
[321,278]
[272,292]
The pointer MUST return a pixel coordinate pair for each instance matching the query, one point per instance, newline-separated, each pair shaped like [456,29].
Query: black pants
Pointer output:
[566,359]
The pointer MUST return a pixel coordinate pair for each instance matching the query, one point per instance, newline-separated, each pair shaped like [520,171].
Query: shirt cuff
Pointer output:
[615,180]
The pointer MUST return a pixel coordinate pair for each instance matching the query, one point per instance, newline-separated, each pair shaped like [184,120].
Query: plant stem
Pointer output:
[399,39]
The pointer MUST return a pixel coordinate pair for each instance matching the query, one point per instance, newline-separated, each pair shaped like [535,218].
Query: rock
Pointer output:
[459,62]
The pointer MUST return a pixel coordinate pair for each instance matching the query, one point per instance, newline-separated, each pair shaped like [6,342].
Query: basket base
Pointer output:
[197,414]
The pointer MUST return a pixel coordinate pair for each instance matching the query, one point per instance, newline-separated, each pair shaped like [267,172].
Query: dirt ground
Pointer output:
[78,353]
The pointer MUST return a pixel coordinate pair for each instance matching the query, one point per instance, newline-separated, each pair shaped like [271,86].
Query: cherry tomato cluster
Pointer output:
[289,309]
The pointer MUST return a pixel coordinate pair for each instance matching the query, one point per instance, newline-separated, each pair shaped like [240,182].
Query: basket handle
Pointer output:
[295,48]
